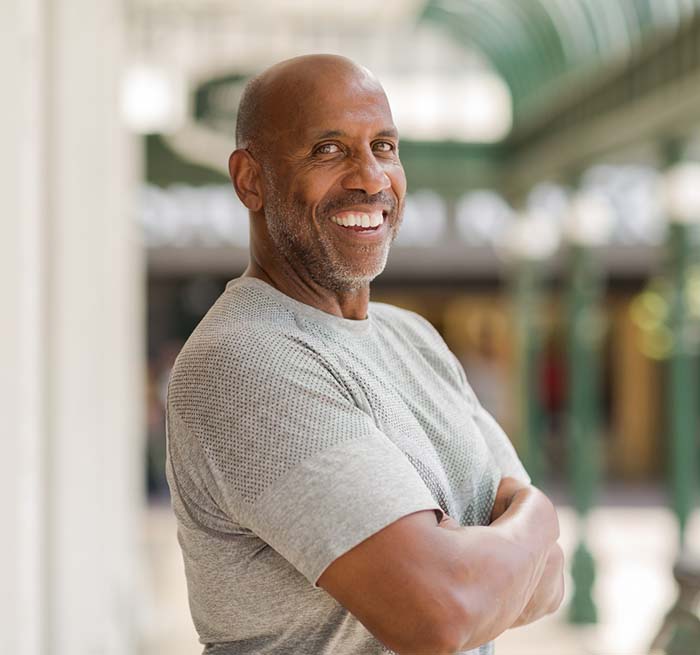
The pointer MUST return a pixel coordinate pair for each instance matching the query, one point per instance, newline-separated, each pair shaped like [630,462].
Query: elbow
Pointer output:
[462,627]
[439,642]
[458,619]
[434,646]
[435,639]
[464,631]
[445,628]
[481,615]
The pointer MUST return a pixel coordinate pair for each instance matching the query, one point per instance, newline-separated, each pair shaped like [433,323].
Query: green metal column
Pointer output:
[682,387]
[680,632]
[529,345]
[583,371]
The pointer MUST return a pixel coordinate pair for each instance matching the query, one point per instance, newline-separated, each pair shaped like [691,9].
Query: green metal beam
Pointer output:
[529,42]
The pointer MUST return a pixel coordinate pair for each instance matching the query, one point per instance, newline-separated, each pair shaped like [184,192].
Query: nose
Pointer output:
[367,174]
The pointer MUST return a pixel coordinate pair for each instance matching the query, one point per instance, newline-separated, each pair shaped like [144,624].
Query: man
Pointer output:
[338,487]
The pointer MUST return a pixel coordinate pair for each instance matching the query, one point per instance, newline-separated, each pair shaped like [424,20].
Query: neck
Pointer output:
[280,274]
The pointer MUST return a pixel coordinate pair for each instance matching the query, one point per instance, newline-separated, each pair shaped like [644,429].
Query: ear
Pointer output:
[245,177]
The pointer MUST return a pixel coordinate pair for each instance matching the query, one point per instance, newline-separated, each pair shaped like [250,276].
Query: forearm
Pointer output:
[503,565]
[492,604]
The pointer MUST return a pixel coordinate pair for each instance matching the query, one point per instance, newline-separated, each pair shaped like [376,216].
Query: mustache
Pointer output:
[383,198]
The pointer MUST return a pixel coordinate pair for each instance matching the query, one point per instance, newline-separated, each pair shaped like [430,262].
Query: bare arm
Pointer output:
[422,587]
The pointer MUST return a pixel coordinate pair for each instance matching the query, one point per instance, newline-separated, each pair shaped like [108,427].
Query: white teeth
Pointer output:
[365,220]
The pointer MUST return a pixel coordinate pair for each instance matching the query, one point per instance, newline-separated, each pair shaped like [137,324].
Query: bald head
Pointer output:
[273,99]
[317,151]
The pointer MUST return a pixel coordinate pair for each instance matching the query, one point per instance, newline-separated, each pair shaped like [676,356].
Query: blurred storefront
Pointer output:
[448,264]
[579,97]
[536,139]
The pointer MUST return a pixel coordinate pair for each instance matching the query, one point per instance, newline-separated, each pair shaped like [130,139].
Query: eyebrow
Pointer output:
[330,134]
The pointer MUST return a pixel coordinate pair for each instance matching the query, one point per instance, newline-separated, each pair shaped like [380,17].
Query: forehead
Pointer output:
[351,105]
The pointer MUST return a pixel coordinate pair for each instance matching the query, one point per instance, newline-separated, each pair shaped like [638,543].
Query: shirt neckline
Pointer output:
[350,324]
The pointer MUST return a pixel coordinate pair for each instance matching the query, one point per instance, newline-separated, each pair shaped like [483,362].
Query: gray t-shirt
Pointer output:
[294,435]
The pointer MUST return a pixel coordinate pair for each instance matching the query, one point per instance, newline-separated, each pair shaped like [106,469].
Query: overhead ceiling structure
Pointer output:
[585,80]
[538,47]
[214,40]
[543,47]
[441,91]
[459,74]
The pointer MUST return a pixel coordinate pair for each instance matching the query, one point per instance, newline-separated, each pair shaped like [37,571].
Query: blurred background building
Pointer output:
[550,235]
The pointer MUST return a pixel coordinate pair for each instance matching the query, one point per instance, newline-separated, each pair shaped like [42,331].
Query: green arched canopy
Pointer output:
[535,43]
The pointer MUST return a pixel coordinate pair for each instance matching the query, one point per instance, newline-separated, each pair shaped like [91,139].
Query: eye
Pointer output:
[383,146]
[327,149]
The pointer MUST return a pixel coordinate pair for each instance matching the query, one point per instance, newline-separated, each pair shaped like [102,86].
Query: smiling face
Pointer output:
[333,185]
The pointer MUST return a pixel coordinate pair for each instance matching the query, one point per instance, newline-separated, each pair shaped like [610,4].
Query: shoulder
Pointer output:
[244,323]
[239,348]
[243,354]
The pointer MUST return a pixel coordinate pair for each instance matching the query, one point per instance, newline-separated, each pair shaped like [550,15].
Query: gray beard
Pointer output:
[296,246]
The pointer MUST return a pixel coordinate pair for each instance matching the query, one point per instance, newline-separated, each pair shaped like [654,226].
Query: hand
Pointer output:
[507,489]
[549,592]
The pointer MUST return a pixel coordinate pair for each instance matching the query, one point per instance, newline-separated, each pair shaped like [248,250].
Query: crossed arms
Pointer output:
[423,587]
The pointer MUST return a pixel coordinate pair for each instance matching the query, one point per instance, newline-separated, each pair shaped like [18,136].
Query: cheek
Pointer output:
[398,182]
[309,189]
[298,200]
[309,195]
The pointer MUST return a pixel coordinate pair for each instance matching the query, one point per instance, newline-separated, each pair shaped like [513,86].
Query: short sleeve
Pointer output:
[297,461]
[500,445]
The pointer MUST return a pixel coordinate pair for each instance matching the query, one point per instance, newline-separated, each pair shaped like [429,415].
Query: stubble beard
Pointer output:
[295,237]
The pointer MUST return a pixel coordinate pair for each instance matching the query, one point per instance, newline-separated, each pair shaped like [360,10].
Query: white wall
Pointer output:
[71,334]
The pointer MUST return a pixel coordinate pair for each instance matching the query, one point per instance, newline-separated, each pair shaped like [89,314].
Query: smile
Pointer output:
[361,220]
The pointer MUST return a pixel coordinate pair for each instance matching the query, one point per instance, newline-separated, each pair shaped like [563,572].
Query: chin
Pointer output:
[345,285]
[355,283]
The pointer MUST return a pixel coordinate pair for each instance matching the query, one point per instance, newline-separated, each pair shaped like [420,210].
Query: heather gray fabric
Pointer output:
[293,435]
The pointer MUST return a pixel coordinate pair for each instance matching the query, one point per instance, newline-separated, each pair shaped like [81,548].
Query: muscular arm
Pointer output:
[420,586]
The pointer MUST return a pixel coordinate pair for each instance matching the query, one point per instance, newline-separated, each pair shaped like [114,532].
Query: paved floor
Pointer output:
[632,536]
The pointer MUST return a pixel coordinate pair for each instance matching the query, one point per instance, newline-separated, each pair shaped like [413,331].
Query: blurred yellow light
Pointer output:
[648,310]
[657,345]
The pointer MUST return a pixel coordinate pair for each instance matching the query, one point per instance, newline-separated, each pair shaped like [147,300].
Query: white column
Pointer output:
[22,610]
[71,335]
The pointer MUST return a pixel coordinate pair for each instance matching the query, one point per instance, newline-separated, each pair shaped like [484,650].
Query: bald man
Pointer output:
[338,487]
